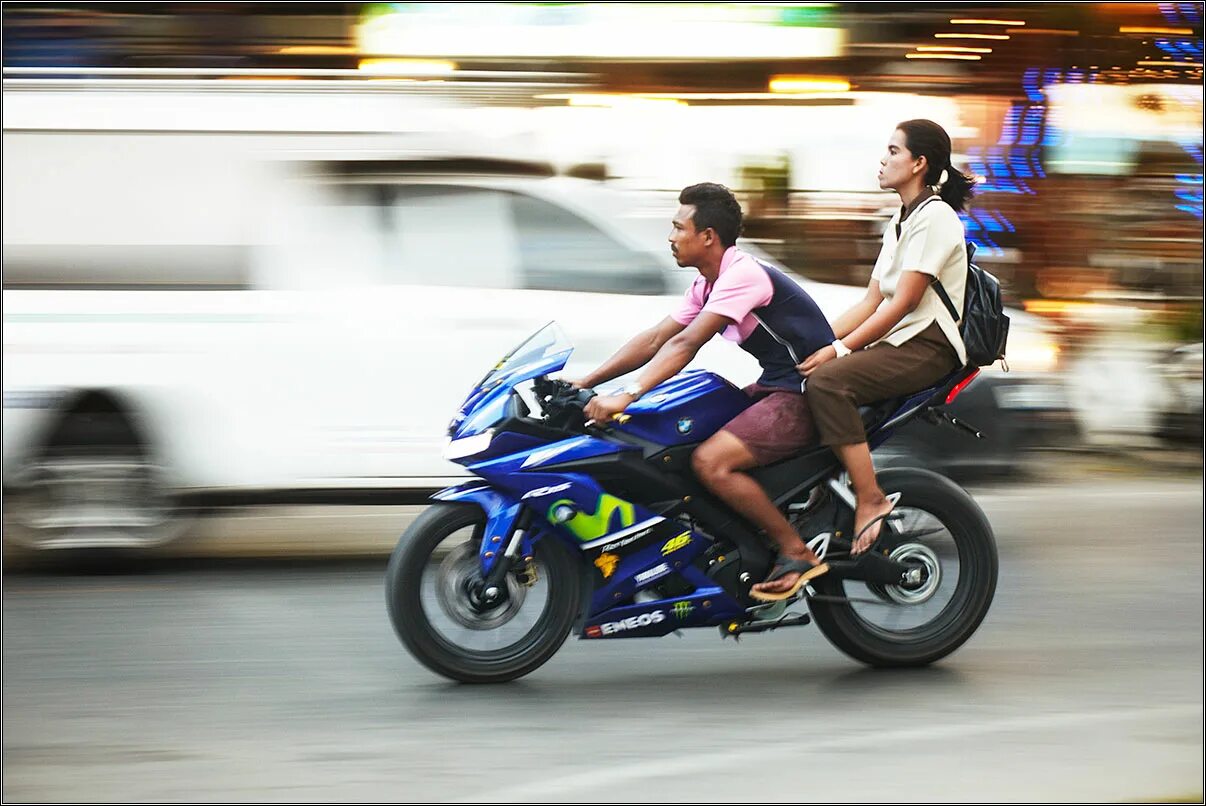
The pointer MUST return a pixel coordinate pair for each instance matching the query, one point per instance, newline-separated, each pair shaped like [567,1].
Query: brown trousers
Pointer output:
[838,388]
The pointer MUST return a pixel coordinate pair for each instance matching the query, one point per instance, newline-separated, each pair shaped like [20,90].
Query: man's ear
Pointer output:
[709,236]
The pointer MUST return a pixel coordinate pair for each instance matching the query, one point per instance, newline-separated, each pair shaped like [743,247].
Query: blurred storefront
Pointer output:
[1081,121]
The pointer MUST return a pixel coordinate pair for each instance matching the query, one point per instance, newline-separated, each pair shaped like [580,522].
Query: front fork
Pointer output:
[495,565]
[506,539]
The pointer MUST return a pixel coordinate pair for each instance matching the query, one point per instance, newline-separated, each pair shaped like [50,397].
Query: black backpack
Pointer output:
[984,325]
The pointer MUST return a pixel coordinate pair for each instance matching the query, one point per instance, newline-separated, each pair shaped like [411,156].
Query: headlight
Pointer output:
[468,446]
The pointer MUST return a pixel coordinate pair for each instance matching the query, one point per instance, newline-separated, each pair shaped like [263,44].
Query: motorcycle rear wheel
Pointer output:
[940,523]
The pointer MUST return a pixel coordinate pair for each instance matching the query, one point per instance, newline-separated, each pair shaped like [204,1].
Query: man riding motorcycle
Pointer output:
[770,317]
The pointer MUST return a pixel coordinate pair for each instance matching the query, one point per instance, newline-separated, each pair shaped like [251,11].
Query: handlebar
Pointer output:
[564,405]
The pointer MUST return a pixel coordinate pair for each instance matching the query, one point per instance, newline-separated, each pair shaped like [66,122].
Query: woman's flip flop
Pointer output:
[893,498]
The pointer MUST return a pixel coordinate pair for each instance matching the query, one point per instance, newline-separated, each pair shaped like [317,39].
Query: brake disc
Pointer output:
[457,575]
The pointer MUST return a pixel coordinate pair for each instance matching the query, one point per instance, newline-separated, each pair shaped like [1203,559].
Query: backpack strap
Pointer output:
[950,306]
[935,282]
[924,202]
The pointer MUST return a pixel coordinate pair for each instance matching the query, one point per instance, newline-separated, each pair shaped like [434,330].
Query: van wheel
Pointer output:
[98,491]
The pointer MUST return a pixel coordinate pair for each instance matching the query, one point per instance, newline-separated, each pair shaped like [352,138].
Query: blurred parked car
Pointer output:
[1179,418]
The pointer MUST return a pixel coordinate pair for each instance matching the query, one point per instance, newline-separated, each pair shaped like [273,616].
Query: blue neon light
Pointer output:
[990,224]
[1168,47]
[1030,84]
[1037,165]
[1009,130]
[1020,165]
[1032,125]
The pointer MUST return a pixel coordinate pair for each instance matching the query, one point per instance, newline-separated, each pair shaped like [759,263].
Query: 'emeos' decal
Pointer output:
[590,527]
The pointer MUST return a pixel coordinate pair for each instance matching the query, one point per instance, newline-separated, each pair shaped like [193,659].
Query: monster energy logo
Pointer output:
[682,610]
[590,527]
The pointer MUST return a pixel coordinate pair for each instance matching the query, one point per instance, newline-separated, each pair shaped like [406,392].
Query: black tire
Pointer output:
[96,457]
[971,597]
[403,598]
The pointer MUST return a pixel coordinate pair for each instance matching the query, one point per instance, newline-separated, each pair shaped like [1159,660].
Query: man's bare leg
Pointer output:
[718,463]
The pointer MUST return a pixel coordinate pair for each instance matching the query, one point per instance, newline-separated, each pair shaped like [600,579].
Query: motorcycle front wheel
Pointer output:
[432,587]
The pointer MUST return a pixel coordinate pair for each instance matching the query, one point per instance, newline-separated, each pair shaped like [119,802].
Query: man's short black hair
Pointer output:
[715,207]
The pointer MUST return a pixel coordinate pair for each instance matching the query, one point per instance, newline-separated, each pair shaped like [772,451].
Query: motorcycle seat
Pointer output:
[875,413]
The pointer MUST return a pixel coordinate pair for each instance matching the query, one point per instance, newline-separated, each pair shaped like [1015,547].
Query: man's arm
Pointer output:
[674,354]
[639,350]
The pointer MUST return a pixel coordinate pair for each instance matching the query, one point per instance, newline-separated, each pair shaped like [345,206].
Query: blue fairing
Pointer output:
[501,511]
[649,568]
[485,404]
[688,408]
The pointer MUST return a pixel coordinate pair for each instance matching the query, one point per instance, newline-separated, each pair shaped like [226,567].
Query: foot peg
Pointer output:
[939,417]
[737,629]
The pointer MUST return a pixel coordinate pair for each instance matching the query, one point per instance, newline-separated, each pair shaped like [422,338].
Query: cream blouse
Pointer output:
[931,242]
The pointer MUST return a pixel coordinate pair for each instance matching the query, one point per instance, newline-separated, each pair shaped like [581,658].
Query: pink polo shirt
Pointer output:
[742,286]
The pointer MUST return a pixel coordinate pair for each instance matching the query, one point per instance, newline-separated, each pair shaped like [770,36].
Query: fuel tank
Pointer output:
[688,408]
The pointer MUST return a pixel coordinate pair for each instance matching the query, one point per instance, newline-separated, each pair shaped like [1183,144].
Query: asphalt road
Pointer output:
[284,682]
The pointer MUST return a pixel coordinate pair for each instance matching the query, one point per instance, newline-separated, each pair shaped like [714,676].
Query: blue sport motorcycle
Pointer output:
[602,529]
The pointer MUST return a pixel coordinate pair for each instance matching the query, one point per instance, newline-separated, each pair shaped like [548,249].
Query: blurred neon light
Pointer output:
[613,100]
[1030,84]
[407,67]
[1130,29]
[952,49]
[1169,64]
[972,36]
[788,83]
[595,30]
[947,56]
[1047,31]
[317,50]
[1009,129]
[987,22]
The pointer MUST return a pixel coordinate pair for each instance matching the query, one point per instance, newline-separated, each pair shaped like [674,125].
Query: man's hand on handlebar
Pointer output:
[602,408]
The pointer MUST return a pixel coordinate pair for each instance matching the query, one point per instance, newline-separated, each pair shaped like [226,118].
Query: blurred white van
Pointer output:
[202,317]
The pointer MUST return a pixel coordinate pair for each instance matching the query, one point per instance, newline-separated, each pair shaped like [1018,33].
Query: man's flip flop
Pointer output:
[783,567]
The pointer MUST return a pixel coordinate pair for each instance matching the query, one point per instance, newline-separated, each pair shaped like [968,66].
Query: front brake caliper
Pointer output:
[527,574]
